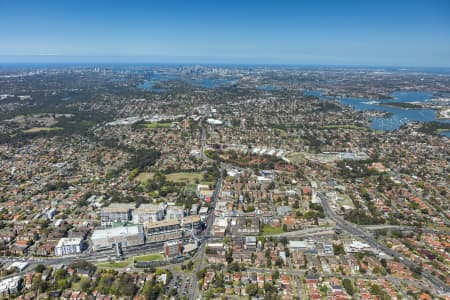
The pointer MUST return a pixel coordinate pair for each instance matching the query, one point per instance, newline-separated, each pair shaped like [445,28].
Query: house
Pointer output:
[20,247]
[284,279]
[7,235]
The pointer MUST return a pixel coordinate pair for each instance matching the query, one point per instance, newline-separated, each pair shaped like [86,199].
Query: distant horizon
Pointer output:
[413,33]
[139,60]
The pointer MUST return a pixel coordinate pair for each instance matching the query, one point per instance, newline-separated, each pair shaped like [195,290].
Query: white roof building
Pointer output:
[214,122]
[68,246]
[146,213]
[203,210]
[10,285]
[19,265]
[357,246]
[174,212]
[125,235]
[301,245]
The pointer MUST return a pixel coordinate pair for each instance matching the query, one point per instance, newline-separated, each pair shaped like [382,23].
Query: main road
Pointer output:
[206,235]
[359,232]
[203,138]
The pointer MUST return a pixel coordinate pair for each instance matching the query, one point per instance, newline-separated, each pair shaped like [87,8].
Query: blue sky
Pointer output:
[377,32]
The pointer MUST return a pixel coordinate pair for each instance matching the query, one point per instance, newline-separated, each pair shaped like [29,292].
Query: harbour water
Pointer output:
[398,116]
[207,83]
[446,133]
[267,87]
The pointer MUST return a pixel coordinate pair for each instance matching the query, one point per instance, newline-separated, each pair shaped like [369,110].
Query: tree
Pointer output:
[219,283]
[235,267]
[39,268]
[279,262]
[133,174]
[229,256]
[151,290]
[417,270]
[375,289]
[85,284]
[383,262]
[338,249]
[39,284]
[348,286]
[276,275]
[124,285]
[269,288]
[173,292]
[251,289]
[61,284]
[105,282]
[201,273]
[209,294]
[324,289]
[287,251]
[60,274]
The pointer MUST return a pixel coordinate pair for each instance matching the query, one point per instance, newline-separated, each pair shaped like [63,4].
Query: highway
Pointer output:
[206,234]
[328,229]
[359,232]
[93,257]
[203,137]
[303,232]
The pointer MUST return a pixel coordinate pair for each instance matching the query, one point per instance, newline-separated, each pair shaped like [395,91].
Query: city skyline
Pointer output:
[413,33]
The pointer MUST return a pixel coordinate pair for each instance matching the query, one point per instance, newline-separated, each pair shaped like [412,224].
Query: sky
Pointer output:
[347,32]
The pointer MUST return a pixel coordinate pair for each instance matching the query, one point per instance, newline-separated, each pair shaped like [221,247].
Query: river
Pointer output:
[398,116]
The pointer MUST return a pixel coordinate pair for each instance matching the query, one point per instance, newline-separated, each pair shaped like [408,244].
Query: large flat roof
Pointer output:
[117,231]
[299,244]
[119,207]
[189,219]
[69,242]
[161,223]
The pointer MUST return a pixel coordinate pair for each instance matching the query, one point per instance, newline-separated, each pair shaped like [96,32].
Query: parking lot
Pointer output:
[181,282]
